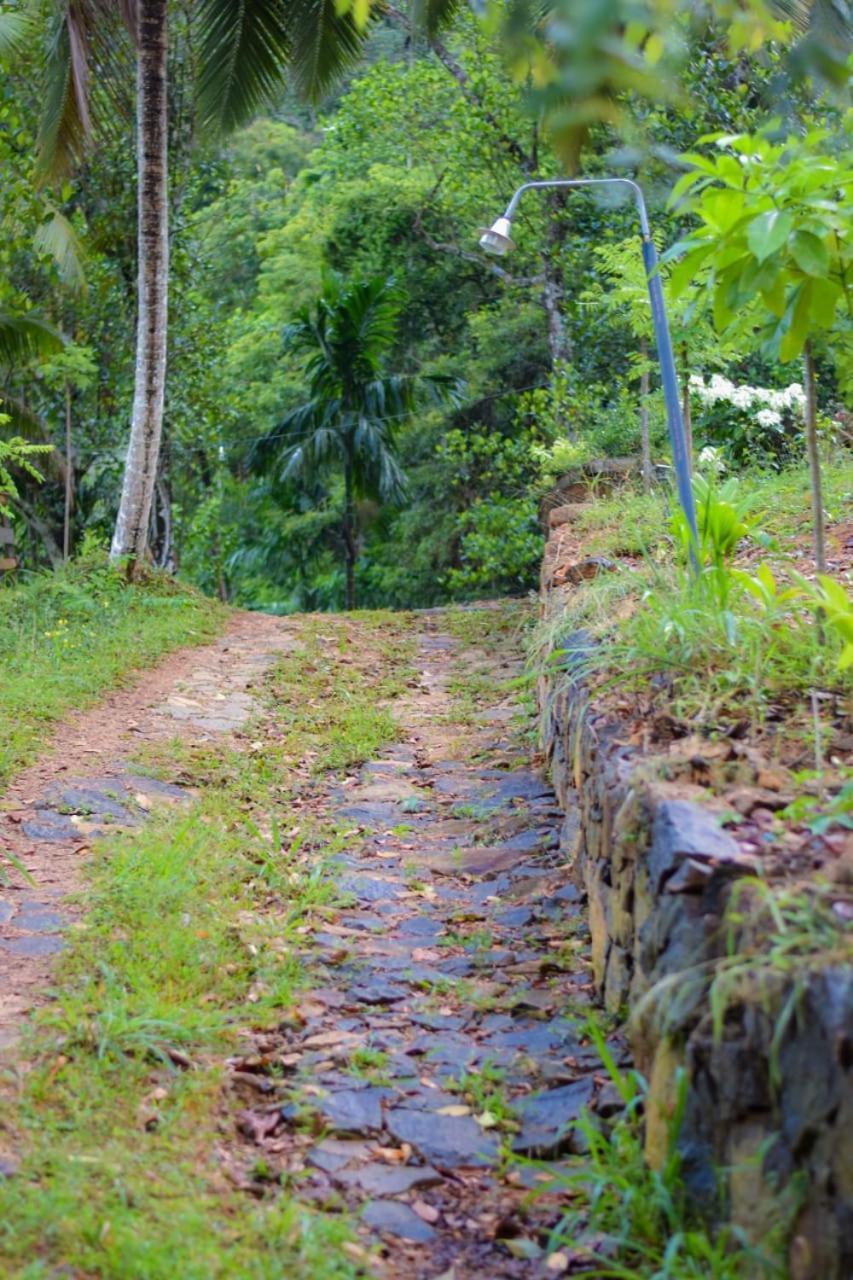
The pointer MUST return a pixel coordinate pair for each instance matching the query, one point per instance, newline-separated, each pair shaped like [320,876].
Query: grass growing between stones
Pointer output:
[120,1116]
[67,636]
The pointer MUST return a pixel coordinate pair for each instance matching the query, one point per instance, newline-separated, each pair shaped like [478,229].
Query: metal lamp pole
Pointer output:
[497,239]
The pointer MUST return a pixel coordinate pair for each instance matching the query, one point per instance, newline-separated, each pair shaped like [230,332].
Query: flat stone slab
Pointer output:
[100,799]
[398,1220]
[390,1180]
[37,945]
[477,860]
[450,1142]
[547,1118]
[39,921]
[334,1154]
[354,1110]
[50,827]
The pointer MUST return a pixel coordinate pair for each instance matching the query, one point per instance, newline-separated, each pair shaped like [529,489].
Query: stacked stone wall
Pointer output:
[767,1134]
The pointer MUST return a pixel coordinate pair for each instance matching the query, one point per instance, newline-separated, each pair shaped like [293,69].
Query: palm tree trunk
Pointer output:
[140,475]
[350,548]
[814,459]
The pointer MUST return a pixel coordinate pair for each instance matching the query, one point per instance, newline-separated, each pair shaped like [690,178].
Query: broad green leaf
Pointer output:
[768,232]
[809,252]
[797,330]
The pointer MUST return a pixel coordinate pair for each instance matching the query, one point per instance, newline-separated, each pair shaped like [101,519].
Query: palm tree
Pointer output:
[243,49]
[349,423]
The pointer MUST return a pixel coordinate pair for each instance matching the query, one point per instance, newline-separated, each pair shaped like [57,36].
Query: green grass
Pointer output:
[65,637]
[705,659]
[190,936]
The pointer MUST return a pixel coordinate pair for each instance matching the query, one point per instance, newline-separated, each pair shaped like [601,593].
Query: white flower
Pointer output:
[769,418]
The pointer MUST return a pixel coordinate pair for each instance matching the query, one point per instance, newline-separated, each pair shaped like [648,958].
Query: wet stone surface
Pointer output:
[444,1038]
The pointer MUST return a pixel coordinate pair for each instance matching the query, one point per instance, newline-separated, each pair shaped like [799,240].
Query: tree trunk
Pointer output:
[553,288]
[644,417]
[814,459]
[350,548]
[69,477]
[131,532]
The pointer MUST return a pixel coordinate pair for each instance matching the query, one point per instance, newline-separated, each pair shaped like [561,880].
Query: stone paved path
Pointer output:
[443,1044]
[82,788]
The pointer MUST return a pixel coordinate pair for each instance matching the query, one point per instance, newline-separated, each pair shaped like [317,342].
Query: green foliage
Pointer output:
[642,1213]
[722,519]
[500,548]
[16,453]
[773,247]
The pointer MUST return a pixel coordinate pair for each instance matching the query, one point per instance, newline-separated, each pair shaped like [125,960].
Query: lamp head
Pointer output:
[497,238]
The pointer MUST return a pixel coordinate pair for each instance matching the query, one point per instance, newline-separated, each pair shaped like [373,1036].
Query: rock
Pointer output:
[682,829]
[39,921]
[50,827]
[398,1220]
[547,1118]
[377,992]
[46,945]
[515,917]
[369,889]
[447,1141]
[377,1179]
[354,1110]
[333,1154]
[478,860]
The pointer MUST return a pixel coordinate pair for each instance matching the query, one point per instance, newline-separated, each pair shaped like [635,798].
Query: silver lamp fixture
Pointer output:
[497,238]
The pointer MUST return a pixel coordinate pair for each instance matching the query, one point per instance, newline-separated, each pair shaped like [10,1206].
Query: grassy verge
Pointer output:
[67,636]
[191,935]
[737,649]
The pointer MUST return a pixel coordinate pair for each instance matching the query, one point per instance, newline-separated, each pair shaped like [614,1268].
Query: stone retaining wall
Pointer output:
[769,1090]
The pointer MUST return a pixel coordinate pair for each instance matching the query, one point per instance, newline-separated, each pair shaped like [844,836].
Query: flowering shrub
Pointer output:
[750,424]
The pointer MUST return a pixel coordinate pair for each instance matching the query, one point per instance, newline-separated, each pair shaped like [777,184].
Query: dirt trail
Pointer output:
[443,1047]
[82,787]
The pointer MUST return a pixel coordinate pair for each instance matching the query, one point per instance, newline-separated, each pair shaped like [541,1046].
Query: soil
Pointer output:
[430,1079]
[53,810]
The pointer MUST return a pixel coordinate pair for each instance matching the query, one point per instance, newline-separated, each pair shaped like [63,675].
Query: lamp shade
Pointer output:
[497,238]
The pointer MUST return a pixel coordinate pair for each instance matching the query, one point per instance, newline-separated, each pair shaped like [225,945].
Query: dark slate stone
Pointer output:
[373,814]
[438,1021]
[421,927]
[155,787]
[547,1118]
[92,799]
[39,921]
[40,945]
[354,1110]
[447,1141]
[50,827]
[515,917]
[6,912]
[377,992]
[524,786]
[397,1219]
[389,1180]
[536,1038]
[364,920]
[333,1154]
[367,889]
[681,829]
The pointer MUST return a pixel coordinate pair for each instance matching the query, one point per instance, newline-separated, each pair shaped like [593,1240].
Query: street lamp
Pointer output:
[497,239]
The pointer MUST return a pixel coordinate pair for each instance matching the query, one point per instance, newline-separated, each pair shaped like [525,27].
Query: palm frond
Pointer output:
[323,44]
[65,121]
[243,59]
[58,239]
[25,337]
[15,28]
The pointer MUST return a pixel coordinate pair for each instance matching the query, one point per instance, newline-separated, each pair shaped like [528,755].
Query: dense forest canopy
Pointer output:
[388,177]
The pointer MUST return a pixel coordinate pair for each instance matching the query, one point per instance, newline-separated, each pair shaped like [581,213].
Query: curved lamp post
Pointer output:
[498,239]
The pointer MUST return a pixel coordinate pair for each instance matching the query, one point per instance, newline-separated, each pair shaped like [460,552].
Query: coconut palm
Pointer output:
[348,425]
[243,49]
